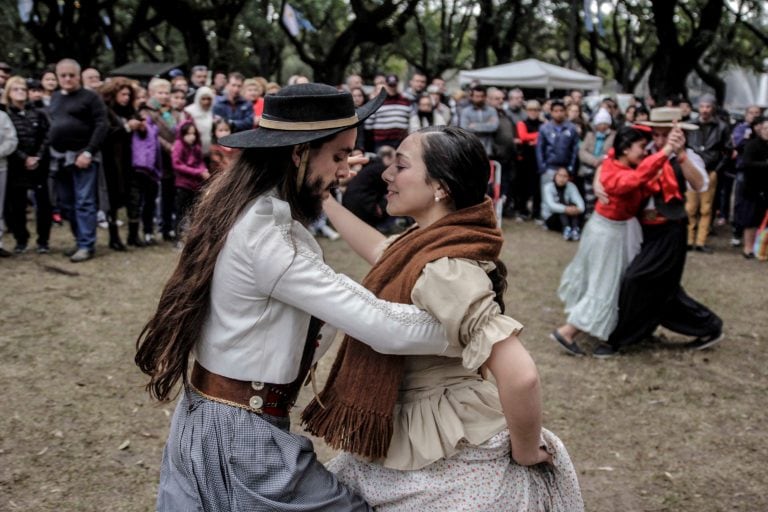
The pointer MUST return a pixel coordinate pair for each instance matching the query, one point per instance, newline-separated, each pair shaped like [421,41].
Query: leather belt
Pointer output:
[256,397]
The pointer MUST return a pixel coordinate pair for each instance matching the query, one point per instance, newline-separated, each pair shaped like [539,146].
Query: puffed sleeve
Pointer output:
[460,295]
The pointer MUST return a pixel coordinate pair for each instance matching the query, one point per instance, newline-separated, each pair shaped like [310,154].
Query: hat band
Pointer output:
[308,125]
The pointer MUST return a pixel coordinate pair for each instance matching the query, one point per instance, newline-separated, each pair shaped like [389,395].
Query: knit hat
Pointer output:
[602,117]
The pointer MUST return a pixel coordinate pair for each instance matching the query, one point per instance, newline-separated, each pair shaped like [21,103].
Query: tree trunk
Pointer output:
[668,76]
[673,62]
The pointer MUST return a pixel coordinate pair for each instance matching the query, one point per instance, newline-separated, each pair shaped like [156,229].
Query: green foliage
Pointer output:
[368,36]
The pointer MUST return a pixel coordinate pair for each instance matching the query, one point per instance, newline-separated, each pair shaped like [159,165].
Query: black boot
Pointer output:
[133,235]
[114,238]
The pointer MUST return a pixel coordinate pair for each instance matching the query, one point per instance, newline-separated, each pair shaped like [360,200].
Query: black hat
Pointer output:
[302,113]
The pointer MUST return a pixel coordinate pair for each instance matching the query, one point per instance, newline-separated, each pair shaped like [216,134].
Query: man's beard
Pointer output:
[310,200]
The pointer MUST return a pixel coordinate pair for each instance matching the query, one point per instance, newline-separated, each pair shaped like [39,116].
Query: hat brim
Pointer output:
[669,124]
[268,138]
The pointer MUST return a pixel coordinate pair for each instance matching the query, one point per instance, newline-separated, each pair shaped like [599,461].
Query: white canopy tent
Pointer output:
[532,73]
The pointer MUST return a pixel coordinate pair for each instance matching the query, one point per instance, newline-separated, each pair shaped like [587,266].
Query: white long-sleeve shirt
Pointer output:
[269,279]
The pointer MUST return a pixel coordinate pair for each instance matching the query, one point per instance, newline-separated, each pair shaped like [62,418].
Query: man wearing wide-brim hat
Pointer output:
[247,301]
[651,294]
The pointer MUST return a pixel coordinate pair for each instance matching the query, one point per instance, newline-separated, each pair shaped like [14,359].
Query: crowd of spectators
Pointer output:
[79,148]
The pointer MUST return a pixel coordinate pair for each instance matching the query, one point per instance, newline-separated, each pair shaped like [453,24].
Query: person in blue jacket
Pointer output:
[233,108]
[557,146]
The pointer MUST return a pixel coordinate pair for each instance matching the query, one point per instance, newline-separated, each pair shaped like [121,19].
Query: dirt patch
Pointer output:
[660,429]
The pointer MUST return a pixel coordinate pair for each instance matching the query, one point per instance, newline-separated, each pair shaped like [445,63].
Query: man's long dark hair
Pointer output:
[165,343]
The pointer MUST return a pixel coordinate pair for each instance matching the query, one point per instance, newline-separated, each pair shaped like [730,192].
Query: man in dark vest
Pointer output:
[651,294]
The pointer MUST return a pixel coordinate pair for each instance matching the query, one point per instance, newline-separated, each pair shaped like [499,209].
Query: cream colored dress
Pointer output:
[450,448]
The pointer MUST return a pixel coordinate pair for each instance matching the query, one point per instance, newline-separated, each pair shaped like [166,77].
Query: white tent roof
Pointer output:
[532,73]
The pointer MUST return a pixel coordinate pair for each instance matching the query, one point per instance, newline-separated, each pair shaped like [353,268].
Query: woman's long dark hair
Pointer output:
[627,136]
[457,159]
[164,345]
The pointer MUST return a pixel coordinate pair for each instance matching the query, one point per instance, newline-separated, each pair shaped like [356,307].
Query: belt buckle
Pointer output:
[256,403]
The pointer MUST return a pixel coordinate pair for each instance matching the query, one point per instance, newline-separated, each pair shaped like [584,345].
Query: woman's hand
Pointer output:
[542,456]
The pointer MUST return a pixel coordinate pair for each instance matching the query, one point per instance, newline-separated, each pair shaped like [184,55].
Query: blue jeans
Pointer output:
[77,198]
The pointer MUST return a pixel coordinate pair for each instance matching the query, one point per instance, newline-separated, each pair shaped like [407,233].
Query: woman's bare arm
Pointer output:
[362,238]
[520,394]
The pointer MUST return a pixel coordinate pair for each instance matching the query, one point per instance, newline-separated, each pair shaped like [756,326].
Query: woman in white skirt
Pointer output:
[431,433]
[612,237]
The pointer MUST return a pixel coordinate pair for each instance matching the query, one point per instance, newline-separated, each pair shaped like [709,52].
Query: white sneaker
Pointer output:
[735,242]
[329,233]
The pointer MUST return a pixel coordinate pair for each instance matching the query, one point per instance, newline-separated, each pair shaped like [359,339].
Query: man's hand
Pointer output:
[599,191]
[31,162]
[134,124]
[83,161]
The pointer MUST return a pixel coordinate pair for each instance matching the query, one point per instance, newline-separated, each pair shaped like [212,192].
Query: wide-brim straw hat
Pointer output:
[665,117]
[301,113]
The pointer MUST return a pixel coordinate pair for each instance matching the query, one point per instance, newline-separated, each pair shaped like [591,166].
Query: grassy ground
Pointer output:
[660,429]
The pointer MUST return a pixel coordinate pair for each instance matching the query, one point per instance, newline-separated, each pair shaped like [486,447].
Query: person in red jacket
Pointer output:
[189,169]
[590,284]
[526,183]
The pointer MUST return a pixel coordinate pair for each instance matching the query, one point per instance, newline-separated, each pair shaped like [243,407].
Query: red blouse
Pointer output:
[626,187]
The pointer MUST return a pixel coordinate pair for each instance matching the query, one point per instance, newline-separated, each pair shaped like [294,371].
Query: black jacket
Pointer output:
[503,146]
[756,169]
[712,142]
[32,130]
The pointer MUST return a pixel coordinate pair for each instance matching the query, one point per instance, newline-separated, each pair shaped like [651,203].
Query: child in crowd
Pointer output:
[562,205]
[178,103]
[189,169]
[221,156]
[146,160]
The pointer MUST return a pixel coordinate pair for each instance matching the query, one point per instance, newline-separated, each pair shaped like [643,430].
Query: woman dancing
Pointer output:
[431,432]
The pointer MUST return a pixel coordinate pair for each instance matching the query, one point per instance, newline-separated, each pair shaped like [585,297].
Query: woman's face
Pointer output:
[762,130]
[18,93]
[190,136]
[206,102]
[123,97]
[251,92]
[561,178]
[358,98]
[49,82]
[636,152]
[425,105]
[141,97]
[409,194]
[222,130]
[573,112]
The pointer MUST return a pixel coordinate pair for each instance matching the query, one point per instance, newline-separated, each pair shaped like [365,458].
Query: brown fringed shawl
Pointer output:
[358,401]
